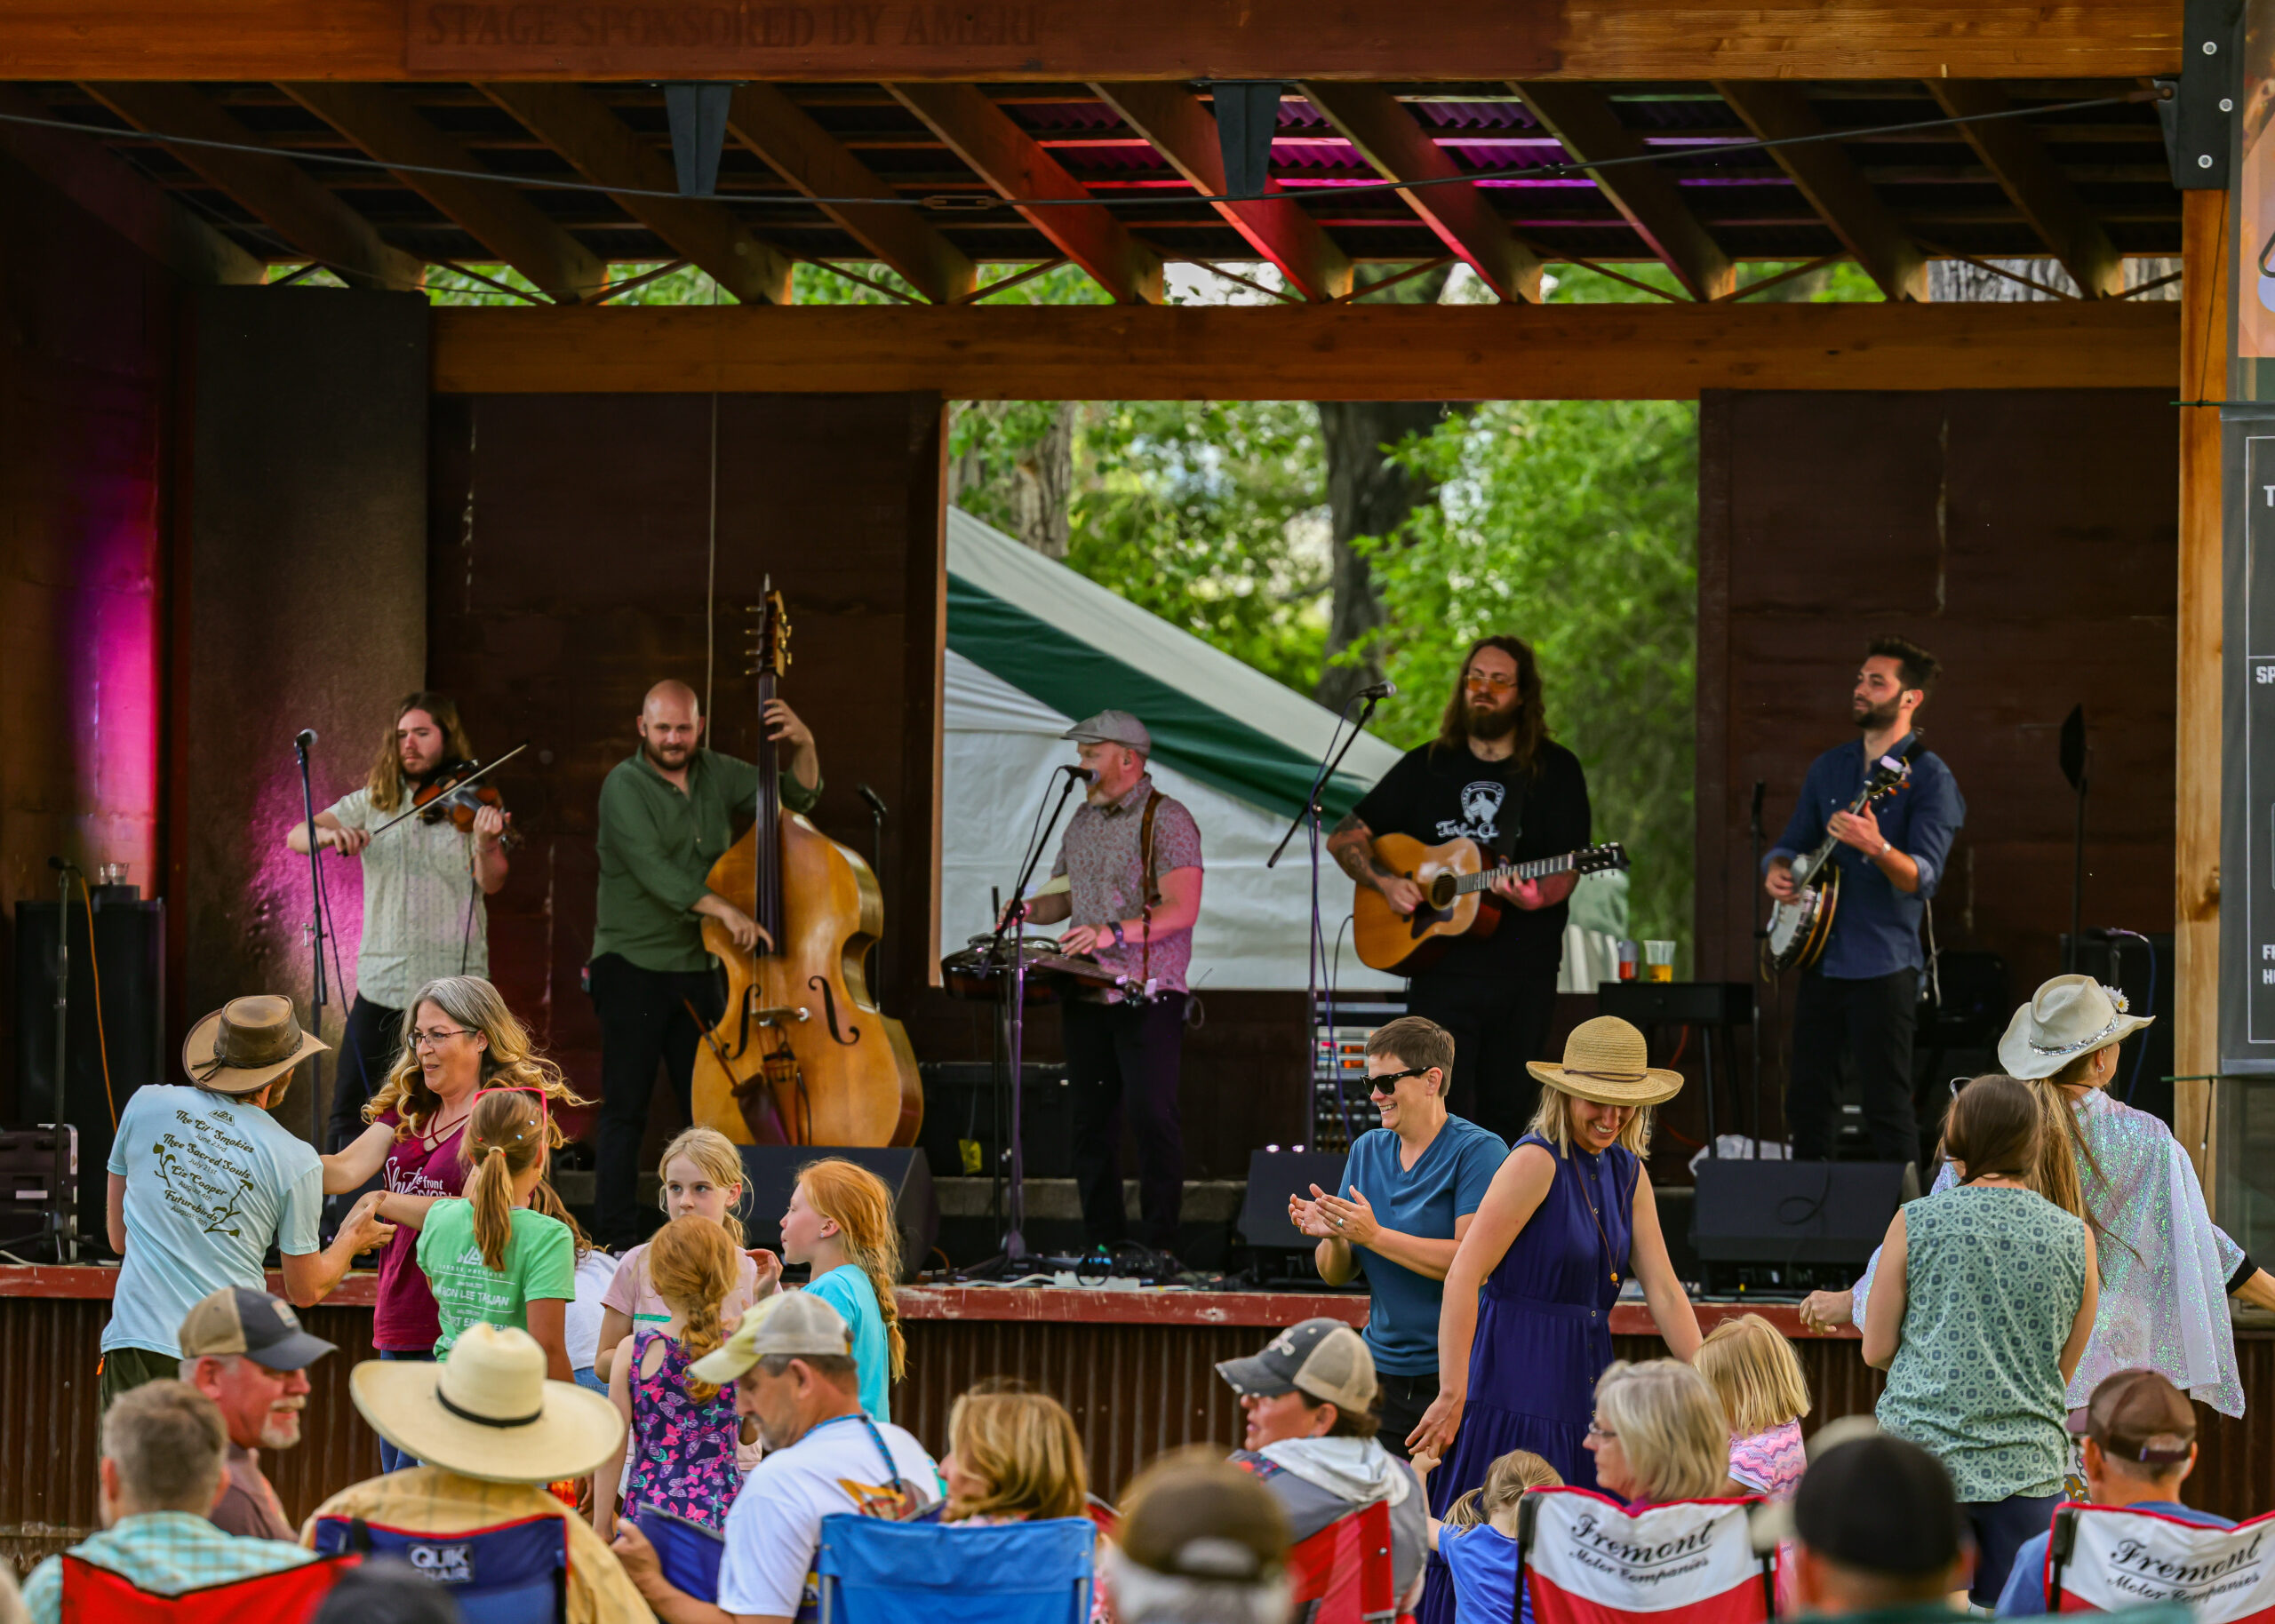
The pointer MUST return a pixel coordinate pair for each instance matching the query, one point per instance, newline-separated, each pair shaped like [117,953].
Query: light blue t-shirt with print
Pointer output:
[847,1289]
[210,1181]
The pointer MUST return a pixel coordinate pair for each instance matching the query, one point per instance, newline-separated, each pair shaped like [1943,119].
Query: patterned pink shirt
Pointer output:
[1770,1462]
[1103,863]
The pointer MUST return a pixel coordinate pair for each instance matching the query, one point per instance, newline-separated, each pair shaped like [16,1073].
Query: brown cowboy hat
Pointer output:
[1606,1061]
[247,1044]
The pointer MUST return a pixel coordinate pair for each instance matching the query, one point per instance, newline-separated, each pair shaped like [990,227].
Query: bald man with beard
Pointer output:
[668,812]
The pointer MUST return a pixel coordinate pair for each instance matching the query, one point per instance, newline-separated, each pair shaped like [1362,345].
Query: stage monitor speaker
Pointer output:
[1781,1213]
[130,947]
[1274,1176]
[771,1172]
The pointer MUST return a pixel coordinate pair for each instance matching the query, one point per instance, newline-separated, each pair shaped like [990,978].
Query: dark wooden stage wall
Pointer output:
[2029,540]
[569,550]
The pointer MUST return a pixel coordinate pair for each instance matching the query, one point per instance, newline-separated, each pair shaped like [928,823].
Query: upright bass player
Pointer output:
[667,813]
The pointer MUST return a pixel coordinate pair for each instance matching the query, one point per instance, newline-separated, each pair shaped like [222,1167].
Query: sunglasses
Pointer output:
[1387,1082]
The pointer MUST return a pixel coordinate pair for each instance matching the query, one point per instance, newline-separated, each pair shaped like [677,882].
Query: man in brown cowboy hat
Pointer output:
[203,1180]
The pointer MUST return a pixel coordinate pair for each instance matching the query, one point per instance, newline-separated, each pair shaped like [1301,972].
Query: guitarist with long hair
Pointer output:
[1492,775]
[1860,997]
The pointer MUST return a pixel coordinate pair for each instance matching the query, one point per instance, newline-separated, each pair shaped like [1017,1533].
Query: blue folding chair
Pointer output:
[874,1571]
[688,1552]
[514,1572]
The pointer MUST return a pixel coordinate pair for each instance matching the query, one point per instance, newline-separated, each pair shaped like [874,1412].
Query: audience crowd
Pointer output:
[670,1435]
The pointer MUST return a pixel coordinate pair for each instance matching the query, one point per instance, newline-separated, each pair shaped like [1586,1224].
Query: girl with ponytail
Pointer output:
[680,1433]
[840,1222]
[504,1252]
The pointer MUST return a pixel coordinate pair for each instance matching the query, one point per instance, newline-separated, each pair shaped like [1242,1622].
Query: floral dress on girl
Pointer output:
[683,1453]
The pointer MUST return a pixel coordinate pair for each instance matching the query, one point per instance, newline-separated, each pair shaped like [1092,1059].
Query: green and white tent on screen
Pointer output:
[1033,646]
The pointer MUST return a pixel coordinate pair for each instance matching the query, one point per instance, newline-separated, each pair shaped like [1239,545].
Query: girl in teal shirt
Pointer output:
[840,1223]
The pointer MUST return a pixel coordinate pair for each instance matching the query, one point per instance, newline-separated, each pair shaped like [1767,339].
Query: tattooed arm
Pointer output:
[1352,845]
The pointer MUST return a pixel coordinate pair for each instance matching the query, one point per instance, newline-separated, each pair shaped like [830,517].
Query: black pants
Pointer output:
[367,1051]
[1497,1025]
[1122,1060]
[1402,1399]
[644,1022]
[1870,1020]
[2001,1527]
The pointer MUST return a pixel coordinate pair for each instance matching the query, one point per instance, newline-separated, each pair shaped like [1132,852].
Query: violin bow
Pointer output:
[478,772]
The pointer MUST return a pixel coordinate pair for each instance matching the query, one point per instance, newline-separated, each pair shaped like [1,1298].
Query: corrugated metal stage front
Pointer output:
[1136,1368]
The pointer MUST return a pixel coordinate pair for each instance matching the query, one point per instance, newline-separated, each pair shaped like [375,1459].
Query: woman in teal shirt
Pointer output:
[1984,1300]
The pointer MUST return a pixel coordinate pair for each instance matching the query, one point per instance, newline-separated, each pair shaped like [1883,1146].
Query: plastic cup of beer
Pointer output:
[1658,962]
[1629,953]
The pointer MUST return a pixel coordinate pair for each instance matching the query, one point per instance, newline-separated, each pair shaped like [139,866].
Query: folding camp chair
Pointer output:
[515,1572]
[1583,1558]
[2115,1558]
[94,1595]
[874,1571]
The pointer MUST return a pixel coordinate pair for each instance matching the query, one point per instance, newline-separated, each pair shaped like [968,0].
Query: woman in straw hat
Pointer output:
[2166,1269]
[1525,1326]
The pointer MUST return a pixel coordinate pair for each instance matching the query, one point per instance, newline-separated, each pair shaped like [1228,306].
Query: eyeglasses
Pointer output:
[1598,1430]
[1488,678]
[1387,1082]
[434,1039]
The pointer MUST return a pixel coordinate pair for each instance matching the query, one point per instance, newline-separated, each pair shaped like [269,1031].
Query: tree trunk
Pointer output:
[1027,486]
[1368,495]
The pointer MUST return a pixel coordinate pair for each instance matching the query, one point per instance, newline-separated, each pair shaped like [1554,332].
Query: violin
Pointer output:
[457,793]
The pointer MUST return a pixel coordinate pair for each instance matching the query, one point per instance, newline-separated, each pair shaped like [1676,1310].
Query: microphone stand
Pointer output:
[1015,1258]
[321,995]
[1311,815]
[1760,930]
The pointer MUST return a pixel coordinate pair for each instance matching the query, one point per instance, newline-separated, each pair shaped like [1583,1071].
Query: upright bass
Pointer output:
[802,1055]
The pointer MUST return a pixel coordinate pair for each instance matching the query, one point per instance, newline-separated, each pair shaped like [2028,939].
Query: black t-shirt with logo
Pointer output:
[1436,794]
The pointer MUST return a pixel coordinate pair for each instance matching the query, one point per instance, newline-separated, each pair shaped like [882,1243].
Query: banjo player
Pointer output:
[1862,995]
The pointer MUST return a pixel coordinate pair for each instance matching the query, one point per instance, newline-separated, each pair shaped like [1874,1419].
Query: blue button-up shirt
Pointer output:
[1876,927]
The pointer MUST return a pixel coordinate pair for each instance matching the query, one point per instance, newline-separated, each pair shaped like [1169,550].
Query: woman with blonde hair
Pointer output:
[1752,1370]
[2166,1269]
[680,1433]
[840,1223]
[1659,1434]
[459,1038]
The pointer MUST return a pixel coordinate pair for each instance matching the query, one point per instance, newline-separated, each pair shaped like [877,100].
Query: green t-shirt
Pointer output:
[540,1263]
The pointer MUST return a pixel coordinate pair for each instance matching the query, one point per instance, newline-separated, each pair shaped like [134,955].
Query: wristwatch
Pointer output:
[1886,847]
[1114,926]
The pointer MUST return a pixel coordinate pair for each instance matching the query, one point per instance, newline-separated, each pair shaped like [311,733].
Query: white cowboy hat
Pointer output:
[488,1412]
[1606,1061]
[246,1044]
[2069,1016]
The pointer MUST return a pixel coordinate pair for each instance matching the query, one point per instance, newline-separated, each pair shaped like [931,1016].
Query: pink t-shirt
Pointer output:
[406,1320]
[629,1294]
[1770,1462]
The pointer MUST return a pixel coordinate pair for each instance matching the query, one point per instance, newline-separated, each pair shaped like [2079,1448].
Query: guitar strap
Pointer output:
[1147,881]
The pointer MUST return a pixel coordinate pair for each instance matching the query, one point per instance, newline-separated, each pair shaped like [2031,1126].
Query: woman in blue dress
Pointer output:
[1525,1326]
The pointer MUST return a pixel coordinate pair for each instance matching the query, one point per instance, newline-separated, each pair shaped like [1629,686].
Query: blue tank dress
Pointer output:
[1543,1335]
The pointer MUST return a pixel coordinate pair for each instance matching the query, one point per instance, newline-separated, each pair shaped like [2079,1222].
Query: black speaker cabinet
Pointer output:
[771,1172]
[1795,1219]
[129,950]
[1274,1176]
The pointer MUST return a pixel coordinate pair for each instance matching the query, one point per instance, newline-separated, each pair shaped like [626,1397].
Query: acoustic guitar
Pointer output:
[1454,899]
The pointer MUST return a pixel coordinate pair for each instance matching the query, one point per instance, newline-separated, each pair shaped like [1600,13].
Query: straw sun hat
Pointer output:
[488,1412]
[2068,1017]
[246,1044]
[1607,1061]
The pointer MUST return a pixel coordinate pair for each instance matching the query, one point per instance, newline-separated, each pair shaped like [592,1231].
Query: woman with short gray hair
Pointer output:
[1659,1434]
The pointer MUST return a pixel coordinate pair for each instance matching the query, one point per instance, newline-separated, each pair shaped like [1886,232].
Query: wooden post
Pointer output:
[2196,900]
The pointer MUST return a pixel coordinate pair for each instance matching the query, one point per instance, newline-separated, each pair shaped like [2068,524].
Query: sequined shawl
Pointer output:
[2164,1264]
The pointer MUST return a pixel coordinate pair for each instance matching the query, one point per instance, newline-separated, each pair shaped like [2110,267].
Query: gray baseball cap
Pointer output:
[1113,728]
[792,1324]
[1322,1358]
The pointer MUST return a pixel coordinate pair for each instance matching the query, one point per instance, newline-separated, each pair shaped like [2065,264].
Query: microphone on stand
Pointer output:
[1082,773]
[304,738]
[1378,690]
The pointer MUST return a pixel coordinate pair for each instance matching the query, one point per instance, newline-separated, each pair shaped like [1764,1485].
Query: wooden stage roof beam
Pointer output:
[813,161]
[605,150]
[2013,153]
[1832,185]
[1015,163]
[388,129]
[1582,117]
[1386,136]
[1185,132]
[1045,41]
[276,191]
[1352,351]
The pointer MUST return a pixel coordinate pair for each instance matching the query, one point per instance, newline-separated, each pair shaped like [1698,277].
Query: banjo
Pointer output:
[1798,928]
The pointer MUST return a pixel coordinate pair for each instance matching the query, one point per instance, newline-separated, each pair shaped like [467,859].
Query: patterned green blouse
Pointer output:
[1993,1278]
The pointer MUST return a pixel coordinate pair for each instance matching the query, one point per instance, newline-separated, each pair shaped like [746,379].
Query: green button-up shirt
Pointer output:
[657,845]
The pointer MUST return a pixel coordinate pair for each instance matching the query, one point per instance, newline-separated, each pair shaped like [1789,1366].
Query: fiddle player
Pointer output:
[423,886]
[668,812]
[1861,997]
[1131,858]
[1492,775]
